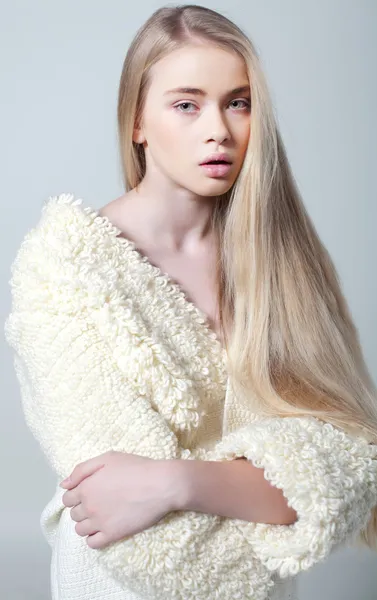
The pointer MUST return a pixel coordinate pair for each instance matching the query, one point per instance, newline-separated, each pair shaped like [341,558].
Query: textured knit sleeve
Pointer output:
[327,476]
[75,401]
[78,404]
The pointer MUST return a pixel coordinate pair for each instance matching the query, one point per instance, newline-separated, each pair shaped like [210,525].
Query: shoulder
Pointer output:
[71,252]
[112,210]
[65,228]
[59,243]
[54,222]
[124,213]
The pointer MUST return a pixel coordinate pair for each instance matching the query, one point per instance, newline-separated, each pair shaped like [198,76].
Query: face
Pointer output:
[180,129]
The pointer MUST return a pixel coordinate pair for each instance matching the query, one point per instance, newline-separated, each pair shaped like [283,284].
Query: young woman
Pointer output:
[185,354]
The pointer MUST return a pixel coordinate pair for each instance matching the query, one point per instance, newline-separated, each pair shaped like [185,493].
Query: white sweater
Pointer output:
[110,354]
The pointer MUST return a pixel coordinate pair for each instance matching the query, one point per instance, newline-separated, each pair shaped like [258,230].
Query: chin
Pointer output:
[212,186]
[207,192]
[216,186]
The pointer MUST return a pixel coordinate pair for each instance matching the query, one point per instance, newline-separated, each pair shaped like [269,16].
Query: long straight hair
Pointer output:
[293,349]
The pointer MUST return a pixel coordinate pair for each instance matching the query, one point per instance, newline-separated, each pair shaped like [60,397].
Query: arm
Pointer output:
[82,415]
[328,477]
[78,404]
[235,489]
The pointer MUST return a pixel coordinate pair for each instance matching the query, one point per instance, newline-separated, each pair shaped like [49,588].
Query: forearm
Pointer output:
[234,489]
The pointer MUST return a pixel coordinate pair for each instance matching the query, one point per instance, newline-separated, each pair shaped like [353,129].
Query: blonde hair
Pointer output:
[292,346]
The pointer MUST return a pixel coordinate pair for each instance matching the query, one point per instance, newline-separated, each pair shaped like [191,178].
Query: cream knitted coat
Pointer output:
[110,354]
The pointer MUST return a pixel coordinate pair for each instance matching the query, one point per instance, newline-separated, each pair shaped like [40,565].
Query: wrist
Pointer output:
[212,487]
[192,481]
[176,476]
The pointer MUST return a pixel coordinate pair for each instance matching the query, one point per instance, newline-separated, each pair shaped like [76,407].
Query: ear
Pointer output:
[138,136]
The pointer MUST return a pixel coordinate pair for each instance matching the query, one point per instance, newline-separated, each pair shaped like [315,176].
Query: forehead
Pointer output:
[203,66]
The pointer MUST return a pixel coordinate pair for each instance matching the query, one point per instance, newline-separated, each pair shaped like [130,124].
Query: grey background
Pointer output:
[60,67]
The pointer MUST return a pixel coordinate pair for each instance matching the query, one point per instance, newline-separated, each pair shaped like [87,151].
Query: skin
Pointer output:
[171,207]
[118,494]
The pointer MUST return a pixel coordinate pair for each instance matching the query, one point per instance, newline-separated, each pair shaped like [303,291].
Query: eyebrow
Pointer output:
[198,92]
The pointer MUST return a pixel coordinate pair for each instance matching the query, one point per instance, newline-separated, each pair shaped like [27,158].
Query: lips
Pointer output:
[216,162]
[217,159]
[217,170]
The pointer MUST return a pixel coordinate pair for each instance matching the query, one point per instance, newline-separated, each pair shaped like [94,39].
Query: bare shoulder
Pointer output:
[124,213]
[112,209]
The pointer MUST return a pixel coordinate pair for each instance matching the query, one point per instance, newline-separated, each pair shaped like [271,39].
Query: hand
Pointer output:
[116,495]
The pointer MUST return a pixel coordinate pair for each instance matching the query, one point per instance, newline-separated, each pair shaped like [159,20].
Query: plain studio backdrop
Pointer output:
[60,67]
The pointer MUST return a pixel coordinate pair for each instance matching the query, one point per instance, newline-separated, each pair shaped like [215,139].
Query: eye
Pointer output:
[246,103]
[183,105]
[179,107]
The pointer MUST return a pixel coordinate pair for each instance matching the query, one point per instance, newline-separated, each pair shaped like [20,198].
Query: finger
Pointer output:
[78,513]
[86,527]
[71,498]
[97,540]
[83,470]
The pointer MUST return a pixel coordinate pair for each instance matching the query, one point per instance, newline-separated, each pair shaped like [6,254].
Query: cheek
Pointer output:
[171,138]
[244,132]
[243,135]
[165,138]
[171,144]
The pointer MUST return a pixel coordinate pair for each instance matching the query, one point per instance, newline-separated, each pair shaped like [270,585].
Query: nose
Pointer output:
[219,131]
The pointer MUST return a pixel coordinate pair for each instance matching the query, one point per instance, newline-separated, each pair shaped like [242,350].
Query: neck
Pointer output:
[179,219]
